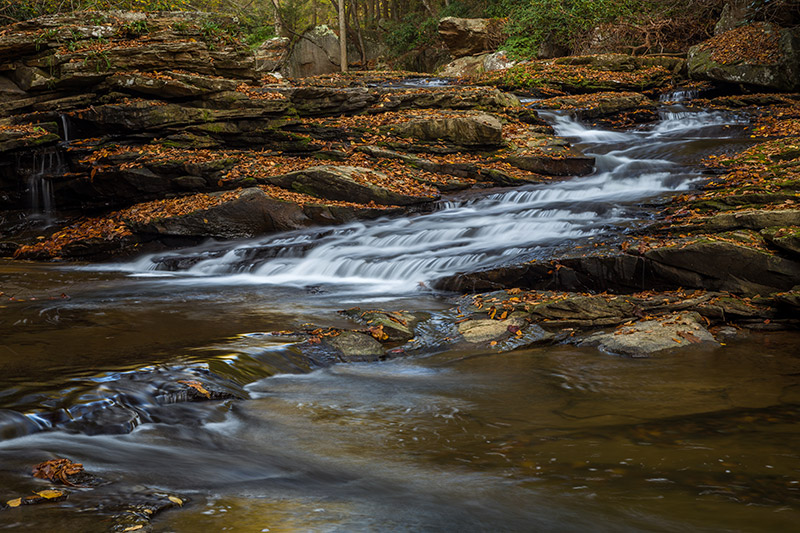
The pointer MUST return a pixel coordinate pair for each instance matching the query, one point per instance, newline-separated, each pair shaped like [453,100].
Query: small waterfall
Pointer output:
[37,169]
[536,221]
[683,95]
[65,129]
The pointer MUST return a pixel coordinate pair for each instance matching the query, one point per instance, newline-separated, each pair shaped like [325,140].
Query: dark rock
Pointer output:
[251,213]
[553,161]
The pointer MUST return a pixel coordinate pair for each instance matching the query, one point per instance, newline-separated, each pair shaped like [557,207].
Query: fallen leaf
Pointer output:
[175,499]
[196,385]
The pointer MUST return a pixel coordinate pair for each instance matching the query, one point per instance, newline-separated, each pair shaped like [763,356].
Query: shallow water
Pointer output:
[557,438]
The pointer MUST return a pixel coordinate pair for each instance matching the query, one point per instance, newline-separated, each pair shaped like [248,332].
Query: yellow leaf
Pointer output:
[15,502]
[175,499]
[134,528]
[50,494]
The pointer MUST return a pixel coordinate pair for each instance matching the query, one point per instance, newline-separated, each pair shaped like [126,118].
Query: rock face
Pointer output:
[759,55]
[317,52]
[466,37]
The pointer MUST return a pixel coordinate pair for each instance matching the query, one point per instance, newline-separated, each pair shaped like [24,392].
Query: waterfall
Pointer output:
[37,169]
[535,221]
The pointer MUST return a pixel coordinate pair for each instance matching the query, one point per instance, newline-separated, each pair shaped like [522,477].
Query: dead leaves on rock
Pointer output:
[58,470]
[757,43]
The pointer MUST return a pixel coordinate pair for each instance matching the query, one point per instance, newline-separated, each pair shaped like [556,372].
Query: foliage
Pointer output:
[418,28]
[560,23]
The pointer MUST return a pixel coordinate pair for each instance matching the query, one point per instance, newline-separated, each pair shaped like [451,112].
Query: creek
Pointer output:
[554,438]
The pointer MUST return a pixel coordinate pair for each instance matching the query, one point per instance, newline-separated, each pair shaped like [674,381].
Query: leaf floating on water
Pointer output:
[196,385]
[16,502]
[175,499]
[134,528]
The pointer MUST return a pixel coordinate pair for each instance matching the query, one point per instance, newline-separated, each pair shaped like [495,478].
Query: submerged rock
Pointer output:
[354,347]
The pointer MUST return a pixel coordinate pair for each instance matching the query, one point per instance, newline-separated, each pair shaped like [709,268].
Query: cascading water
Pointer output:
[399,254]
[37,170]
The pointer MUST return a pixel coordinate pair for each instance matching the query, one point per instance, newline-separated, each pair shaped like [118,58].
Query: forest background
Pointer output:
[403,29]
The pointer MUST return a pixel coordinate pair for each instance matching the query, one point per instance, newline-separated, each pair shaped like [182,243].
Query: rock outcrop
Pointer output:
[466,37]
[759,55]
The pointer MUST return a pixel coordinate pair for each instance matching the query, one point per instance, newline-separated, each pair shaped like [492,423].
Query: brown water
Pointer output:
[556,438]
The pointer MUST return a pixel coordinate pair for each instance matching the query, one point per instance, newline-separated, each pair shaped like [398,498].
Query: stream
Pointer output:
[556,438]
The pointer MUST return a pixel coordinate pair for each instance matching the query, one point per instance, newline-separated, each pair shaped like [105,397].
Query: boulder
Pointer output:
[647,337]
[487,330]
[759,55]
[473,130]
[474,65]
[397,326]
[344,183]
[250,213]
[466,37]
[317,52]
[271,54]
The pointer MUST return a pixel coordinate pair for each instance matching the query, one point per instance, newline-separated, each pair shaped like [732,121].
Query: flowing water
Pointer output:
[558,438]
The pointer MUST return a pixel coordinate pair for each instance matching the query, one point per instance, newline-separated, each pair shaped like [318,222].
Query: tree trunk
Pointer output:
[342,37]
[278,22]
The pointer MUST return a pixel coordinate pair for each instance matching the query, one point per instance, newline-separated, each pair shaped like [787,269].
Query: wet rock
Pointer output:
[486,330]
[345,183]
[647,337]
[353,347]
[473,131]
[765,56]
[398,326]
[465,37]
